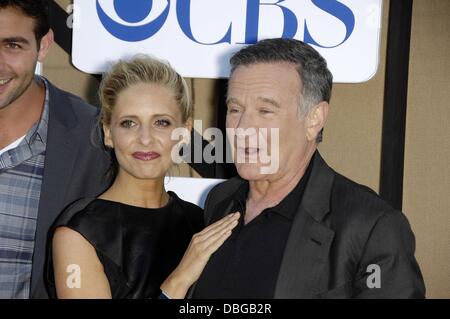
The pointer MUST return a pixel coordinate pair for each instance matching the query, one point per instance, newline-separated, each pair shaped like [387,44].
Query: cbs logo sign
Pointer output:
[139,20]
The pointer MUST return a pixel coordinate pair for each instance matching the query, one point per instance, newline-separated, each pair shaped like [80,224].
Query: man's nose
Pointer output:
[247,129]
[246,120]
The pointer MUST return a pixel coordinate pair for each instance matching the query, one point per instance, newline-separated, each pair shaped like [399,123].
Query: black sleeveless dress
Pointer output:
[138,247]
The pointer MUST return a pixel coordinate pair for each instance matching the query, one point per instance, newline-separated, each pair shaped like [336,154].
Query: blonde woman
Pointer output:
[130,241]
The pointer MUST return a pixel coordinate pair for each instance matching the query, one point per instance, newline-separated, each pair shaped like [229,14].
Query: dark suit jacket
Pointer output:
[74,168]
[339,230]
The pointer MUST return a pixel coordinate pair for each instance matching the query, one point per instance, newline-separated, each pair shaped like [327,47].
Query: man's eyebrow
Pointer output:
[269,101]
[16,40]
[262,99]
[232,100]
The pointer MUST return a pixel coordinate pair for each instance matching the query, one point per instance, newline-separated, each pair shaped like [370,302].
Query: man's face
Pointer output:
[19,54]
[263,96]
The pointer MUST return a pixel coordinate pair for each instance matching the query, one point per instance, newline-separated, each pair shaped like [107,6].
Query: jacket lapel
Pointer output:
[309,241]
[60,158]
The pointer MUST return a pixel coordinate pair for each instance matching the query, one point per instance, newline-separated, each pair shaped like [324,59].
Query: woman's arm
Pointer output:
[78,271]
[200,249]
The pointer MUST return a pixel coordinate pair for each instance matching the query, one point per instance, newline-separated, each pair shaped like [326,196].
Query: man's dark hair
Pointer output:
[36,9]
[312,68]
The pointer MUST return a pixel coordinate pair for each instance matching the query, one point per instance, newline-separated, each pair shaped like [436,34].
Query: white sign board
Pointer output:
[198,36]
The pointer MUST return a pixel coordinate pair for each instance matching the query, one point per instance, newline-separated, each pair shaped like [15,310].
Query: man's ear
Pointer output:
[44,46]
[315,120]
[108,139]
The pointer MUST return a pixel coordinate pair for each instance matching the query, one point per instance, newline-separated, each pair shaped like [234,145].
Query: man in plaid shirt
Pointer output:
[47,157]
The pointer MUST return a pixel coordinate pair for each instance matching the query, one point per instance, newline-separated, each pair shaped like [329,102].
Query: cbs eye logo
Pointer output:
[133,14]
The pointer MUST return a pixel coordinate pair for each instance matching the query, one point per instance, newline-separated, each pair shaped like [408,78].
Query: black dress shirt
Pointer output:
[247,264]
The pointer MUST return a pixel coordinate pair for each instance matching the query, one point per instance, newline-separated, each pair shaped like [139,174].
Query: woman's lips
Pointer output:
[146,156]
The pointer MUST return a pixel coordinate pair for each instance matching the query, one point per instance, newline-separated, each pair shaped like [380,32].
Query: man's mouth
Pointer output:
[251,150]
[5,81]
[247,151]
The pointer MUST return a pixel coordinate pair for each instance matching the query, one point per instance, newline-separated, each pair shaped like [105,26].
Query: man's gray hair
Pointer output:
[312,68]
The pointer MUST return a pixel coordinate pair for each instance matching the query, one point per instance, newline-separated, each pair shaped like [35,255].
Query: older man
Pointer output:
[306,231]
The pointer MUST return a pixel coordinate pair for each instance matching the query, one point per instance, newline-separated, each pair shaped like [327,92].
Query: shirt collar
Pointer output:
[38,133]
[288,205]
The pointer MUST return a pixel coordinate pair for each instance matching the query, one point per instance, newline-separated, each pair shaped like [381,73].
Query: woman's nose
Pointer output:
[145,136]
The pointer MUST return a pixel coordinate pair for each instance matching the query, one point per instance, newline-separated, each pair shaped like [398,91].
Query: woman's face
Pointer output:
[140,130]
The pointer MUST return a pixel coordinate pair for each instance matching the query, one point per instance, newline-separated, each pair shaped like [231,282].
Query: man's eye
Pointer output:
[127,124]
[265,111]
[162,123]
[233,110]
[13,46]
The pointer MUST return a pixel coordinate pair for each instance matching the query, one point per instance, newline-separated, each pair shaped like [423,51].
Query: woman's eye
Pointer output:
[127,124]
[162,123]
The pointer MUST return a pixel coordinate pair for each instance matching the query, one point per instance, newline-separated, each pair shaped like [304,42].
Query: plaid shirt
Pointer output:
[21,173]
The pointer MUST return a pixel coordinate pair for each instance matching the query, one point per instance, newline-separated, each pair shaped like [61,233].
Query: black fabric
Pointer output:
[339,230]
[261,242]
[138,247]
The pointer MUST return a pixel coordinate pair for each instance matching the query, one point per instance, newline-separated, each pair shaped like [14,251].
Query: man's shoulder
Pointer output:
[74,122]
[225,189]
[192,213]
[351,193]
[80,107]
[221,192]
[355,207]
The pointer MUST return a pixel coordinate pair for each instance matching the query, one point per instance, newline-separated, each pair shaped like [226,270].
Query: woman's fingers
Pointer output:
[205,245]
[200,249]
[215,228]
[217,240]
[217,224]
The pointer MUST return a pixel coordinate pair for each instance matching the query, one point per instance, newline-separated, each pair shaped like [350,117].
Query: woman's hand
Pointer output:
[200,249]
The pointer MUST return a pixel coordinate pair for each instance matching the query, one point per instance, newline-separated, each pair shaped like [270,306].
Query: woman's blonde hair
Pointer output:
[142,69]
